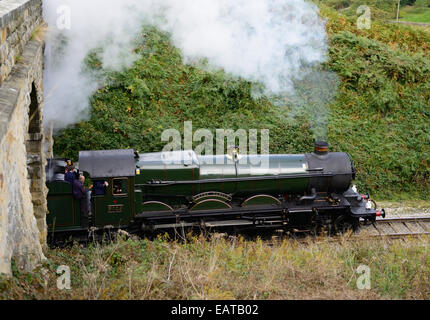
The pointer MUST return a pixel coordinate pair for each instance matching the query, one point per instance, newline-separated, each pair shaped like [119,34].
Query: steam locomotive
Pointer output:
[174,190]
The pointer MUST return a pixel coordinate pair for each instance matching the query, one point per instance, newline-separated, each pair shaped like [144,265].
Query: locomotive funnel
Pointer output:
[321,147]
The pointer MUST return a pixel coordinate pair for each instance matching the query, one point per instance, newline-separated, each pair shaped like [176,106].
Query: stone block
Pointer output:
[3,35]
[5,50]
[3,54]
[34,146]
[33,173]
[35,137]
[37,185]
[39,212]
[4,72]
[33,159]
[38,198]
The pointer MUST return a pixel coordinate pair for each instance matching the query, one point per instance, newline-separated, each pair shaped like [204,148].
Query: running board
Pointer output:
[215,224]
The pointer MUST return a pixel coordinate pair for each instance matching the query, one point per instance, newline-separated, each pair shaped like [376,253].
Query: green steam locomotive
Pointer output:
[173,190]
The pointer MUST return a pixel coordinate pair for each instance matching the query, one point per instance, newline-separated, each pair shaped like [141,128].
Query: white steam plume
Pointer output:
[272,42]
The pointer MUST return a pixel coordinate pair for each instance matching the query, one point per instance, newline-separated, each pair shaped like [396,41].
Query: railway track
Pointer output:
[388,228]
[398,227]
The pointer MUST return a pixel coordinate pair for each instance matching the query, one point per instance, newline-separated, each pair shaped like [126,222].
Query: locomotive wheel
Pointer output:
[344,224]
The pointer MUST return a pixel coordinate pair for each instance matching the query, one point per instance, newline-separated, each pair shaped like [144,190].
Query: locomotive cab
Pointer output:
[63,209]
[116,169]
[114,205]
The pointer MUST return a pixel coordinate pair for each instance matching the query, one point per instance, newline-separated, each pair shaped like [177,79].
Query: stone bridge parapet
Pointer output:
[22,161]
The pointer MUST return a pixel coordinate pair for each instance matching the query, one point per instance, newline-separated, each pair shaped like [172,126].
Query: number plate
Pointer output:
[116,208]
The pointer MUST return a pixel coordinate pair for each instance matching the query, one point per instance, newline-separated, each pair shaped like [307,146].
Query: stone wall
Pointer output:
[18,20]
[22,177]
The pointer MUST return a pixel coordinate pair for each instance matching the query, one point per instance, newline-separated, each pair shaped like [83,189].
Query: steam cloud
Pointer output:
[277,43]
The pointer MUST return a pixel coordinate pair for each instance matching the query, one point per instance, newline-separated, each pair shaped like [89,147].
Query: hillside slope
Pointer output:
[381,115]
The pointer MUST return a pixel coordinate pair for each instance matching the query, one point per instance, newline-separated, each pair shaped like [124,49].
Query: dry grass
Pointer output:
[230,269]
[39,32]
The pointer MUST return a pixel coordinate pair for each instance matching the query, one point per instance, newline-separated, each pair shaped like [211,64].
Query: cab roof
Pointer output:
[108,163]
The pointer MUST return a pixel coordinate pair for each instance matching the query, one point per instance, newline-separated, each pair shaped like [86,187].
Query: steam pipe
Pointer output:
[312,197]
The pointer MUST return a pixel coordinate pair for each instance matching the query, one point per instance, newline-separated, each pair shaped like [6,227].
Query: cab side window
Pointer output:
[120,187]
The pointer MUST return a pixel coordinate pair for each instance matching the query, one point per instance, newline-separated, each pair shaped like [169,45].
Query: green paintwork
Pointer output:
[63,209]
[115,209]
[183,167]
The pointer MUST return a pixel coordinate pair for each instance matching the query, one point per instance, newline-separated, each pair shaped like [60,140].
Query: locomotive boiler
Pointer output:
[172,190]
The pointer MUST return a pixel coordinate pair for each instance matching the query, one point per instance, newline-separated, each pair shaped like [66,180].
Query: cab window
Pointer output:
[120,187]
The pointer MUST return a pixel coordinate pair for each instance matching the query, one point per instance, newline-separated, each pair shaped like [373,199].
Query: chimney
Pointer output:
[321,147]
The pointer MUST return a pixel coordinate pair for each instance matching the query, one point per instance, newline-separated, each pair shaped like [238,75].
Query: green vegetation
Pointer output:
[410,10]
[416,15]
[380,9]
[418,12]
[230,269]
[381,115]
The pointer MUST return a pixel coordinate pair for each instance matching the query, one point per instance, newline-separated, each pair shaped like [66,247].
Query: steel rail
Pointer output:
[398,227]
[378,232]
